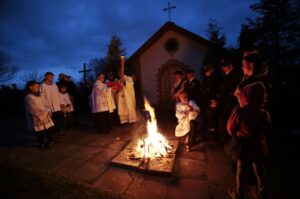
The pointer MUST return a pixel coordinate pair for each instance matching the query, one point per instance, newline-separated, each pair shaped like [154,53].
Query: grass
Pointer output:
[21,183]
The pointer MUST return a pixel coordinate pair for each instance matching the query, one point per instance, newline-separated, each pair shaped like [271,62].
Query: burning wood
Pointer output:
[153,153]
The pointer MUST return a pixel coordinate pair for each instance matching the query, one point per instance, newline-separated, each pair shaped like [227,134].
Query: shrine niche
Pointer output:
[165,78]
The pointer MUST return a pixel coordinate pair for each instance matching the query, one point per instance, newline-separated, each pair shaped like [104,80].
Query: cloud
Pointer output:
[54,33]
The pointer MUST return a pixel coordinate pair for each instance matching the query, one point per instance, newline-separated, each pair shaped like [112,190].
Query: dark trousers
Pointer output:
[210,118]
[113,118]
[67,120]
[44,136]
[57,120]
[102,121]
[225,112]
[192,135]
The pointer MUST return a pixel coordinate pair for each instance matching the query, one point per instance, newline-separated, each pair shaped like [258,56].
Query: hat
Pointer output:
[189,71]
[178,72]
[63,75]
[207,67]
[225,61]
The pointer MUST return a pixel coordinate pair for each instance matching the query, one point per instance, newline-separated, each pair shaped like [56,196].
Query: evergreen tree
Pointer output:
[218,41]
[97,65]
[114,52]
[275,32]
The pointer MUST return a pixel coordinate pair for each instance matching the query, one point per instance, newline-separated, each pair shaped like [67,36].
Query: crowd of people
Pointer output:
[50,106]
[228,105]
[232,106]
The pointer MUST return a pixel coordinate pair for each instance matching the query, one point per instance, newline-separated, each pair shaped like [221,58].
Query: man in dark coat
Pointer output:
[229,83]
[193,87]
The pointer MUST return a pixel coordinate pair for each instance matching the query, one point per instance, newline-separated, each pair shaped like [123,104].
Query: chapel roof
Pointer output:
[165,28]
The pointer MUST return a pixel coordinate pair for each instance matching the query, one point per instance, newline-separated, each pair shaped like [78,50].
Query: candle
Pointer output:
[122,68]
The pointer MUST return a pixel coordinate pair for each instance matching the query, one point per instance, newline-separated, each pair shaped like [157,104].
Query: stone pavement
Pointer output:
[83,156]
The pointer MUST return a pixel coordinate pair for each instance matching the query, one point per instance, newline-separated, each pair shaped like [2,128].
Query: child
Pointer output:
[38,118]
[187,112]
[250,124]
[66,107]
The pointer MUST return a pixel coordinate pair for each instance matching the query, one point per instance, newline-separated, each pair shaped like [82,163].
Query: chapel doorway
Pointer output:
[165,83]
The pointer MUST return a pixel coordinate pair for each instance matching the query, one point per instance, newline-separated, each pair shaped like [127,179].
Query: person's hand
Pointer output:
[190,108]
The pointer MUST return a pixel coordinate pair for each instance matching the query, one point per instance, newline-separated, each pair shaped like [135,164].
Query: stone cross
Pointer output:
[84,71]
[169,8]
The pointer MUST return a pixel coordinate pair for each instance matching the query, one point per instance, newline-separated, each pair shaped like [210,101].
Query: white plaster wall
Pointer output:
[189,53]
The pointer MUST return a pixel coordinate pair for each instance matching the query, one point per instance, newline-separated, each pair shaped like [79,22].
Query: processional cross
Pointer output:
[169,8]
[84,71]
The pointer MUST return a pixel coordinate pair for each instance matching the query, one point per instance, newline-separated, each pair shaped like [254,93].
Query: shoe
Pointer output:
[43,146]
[233,194]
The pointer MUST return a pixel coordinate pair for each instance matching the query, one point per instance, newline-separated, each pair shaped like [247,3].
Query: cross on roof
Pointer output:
[84,71]
[169,8]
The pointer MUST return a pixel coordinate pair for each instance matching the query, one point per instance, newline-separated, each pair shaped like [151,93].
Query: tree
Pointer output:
[275,32]
[114,52]
[218,40]
[32,75]
[214,34]
[7,69]
[97,64]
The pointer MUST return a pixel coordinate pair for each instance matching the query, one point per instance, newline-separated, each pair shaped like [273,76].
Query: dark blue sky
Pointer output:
[60,35]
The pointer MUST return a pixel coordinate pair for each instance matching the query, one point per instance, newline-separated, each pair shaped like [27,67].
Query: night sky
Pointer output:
[60,35]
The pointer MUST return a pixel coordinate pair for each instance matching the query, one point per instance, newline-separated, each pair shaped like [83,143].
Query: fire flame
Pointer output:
[155,145]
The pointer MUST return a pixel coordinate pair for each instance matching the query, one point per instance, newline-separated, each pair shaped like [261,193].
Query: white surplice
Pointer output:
[38,118]
[184,116]
[102,99]
[65,100]
[50,94]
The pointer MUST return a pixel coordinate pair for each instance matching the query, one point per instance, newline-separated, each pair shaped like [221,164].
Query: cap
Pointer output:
[63,75]
[225,61]
[189,71]
[207,67]
[178,72]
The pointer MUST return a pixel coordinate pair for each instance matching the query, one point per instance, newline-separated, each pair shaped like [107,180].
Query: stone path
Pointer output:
[83,156]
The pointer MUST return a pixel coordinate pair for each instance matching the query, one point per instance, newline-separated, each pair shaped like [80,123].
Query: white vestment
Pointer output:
[185,115]
[102,99]
[65,100]
[50,94]
[38,118]
[126,102]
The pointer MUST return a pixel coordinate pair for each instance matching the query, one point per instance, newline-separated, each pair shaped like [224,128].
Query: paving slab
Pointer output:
[114,180]
[86,152]
[189,189]
[68,166]
[218,173]
[190,169]
[104,156]
[88,172]
[218,191]
[147,187]
[47,163]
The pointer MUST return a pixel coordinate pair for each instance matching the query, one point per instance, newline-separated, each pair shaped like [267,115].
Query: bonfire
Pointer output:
[155,145]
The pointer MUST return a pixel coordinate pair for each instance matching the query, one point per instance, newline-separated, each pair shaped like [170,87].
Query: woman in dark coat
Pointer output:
[249,124]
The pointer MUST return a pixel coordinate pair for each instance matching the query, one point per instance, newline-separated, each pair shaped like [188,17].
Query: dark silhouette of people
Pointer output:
[231,79]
